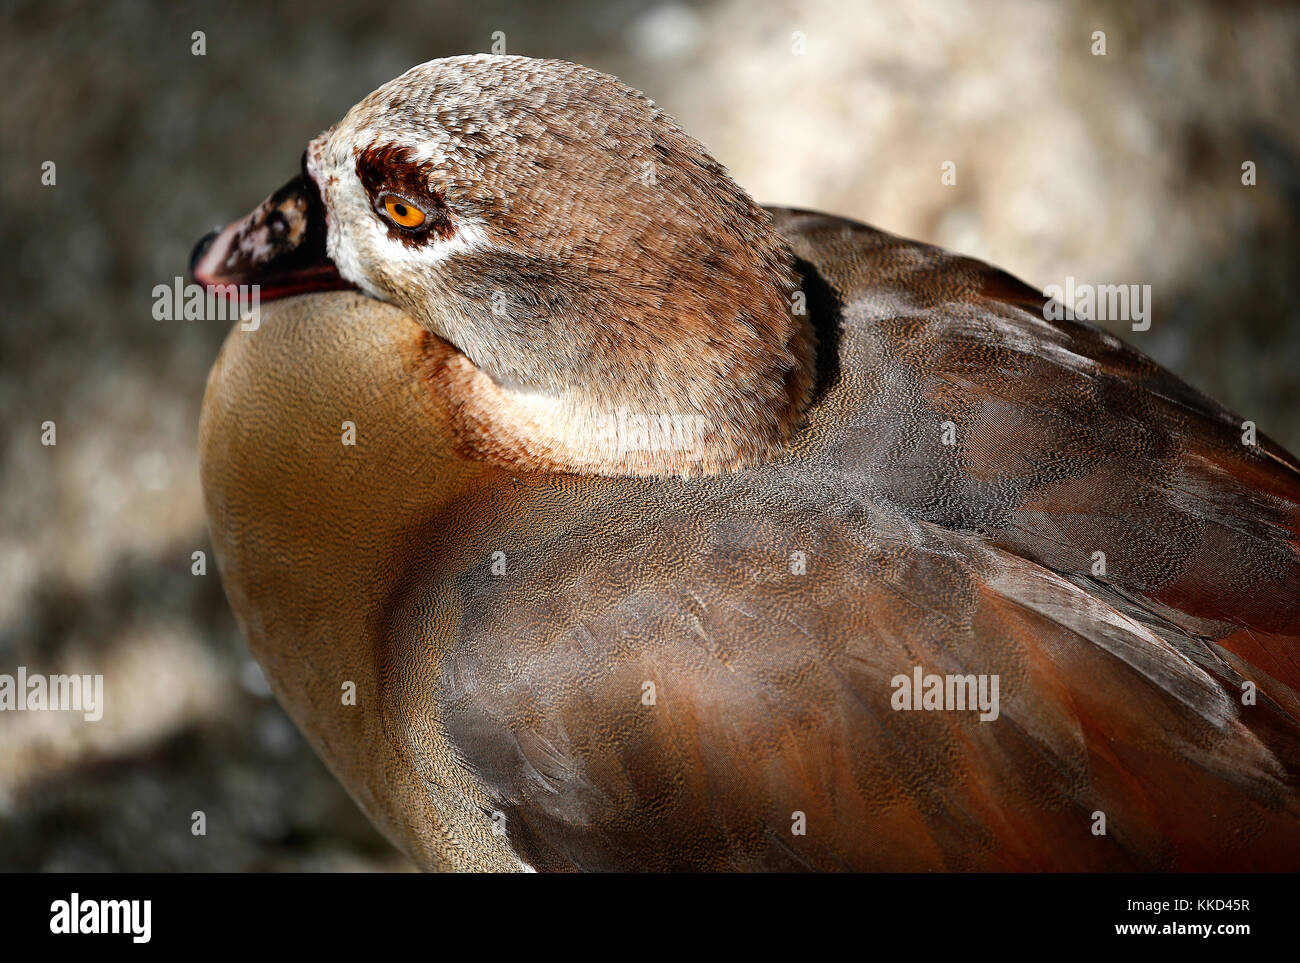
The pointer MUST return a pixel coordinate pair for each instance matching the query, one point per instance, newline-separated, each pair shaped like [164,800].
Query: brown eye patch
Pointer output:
[386,171]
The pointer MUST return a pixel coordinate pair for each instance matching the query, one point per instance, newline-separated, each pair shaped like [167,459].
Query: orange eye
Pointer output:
[402,212]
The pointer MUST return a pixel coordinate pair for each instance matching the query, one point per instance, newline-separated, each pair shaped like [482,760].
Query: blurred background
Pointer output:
[1122,168]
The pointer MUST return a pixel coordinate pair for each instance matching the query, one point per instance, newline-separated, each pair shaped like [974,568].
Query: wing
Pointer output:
[1068,443]
[655,683]
[683,691]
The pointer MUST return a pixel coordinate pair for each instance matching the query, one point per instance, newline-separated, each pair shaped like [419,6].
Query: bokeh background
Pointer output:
[1123,168]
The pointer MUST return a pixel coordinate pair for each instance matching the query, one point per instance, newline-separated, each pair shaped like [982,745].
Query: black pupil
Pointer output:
[399,210]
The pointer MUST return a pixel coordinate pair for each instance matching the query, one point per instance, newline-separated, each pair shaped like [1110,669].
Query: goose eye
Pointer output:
[402,212]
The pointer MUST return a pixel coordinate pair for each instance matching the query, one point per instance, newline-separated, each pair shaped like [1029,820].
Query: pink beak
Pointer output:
[280,247]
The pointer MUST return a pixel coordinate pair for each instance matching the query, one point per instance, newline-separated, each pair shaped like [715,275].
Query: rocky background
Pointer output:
[1122,168]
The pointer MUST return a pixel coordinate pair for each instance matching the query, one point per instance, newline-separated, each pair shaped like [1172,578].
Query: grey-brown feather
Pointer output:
[918,554]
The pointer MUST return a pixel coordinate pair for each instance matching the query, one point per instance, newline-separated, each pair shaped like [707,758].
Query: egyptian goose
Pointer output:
[601,519]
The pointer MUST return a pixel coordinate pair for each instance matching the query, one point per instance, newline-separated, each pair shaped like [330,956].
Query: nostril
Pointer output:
[201,248]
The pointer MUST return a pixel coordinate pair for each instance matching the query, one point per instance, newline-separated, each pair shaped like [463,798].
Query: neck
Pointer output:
[713,379]
[694,356]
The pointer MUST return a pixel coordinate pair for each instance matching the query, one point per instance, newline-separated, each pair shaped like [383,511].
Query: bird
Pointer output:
[585,515]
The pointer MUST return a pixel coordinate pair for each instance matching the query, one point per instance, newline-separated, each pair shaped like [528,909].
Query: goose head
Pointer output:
[620,304]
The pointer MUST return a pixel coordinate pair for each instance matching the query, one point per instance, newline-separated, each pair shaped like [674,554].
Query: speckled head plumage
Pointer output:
[352,467]
[604,275]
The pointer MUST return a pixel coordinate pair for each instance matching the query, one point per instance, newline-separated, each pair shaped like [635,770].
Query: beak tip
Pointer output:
[200,249]
[257,250]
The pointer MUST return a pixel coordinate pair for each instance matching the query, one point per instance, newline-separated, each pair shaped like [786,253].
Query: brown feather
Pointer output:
[521,693]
